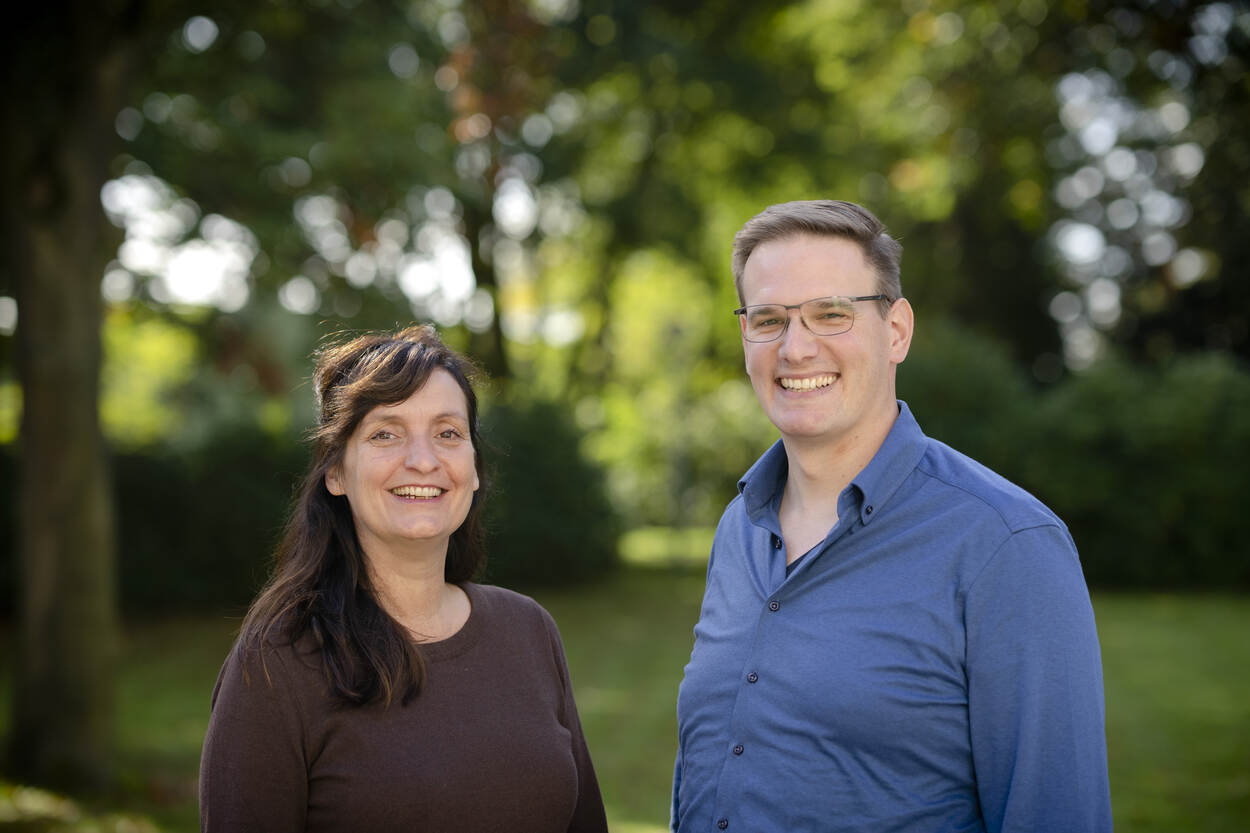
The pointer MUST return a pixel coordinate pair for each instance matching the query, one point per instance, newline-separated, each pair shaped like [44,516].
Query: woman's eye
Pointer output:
[382,435]
[450,434]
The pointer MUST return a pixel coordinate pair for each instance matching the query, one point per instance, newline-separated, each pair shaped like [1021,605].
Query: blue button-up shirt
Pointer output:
[931,666]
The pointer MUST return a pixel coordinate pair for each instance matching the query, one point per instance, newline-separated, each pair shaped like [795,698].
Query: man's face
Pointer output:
[824,389]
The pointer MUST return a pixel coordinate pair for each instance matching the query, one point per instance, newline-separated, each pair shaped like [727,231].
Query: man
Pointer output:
[893,637]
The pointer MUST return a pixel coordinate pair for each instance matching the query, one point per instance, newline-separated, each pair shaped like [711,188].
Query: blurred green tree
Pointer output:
[67,66]
[1152,155]
[556,183]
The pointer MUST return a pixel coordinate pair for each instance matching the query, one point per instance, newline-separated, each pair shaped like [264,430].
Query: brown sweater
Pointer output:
[492,743]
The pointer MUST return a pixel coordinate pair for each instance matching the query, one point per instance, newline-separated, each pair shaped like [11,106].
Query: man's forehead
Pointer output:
[806,256]
[833,245]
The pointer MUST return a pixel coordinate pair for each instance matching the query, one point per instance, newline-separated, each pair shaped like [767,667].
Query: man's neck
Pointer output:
[818,473]
[820,469]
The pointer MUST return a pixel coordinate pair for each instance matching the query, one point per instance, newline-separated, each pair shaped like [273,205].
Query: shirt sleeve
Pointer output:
[589,816]
[1035,695]
[253,772]
[672,813]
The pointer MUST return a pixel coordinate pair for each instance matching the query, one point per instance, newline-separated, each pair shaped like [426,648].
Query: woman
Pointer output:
[373,686]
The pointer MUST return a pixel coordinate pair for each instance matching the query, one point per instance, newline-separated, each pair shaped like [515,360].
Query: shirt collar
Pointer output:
[762,480]
[890,466]
[893,463]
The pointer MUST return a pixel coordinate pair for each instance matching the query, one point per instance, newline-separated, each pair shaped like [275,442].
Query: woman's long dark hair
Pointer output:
[320,584]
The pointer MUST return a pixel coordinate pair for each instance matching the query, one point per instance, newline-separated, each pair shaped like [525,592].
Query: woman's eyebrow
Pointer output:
[460,416]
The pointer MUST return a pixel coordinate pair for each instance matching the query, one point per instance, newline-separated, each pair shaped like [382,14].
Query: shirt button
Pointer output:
[868,509]
[722,823]
[774,605]
[752,677]
[776,543]
[738,750]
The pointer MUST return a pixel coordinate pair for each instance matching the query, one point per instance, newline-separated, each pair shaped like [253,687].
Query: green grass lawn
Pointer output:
[1177,675]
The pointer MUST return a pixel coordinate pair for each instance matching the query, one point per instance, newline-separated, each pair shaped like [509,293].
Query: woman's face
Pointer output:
[408,470]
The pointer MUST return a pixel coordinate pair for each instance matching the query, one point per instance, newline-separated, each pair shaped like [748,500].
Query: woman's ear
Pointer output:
[334,482]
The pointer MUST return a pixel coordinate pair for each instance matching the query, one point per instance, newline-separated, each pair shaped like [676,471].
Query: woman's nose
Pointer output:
[419,454]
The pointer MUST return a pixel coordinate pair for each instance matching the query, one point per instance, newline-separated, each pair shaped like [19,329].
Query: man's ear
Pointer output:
[902,323]
[742,326]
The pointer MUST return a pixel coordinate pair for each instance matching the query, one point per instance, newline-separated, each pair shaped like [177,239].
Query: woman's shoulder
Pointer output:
[501,603]
[271,658]
[518,626]
[267,696]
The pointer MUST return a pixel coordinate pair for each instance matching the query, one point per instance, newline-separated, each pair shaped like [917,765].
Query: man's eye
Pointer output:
[827,311]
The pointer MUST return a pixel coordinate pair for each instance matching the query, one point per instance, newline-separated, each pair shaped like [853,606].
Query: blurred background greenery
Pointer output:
[195,196]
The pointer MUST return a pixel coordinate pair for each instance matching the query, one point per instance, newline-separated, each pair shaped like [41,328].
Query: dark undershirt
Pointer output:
[790,567]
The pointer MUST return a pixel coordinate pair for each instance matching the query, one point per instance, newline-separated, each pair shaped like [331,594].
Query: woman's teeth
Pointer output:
[417,491]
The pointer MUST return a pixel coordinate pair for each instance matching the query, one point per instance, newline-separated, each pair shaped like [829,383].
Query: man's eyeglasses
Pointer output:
[822,316]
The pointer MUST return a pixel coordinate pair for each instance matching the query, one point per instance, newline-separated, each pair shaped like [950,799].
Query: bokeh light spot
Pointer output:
[199,33]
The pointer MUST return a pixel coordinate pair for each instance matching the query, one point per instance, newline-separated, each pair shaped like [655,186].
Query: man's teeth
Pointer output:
[810,383]
[417,491]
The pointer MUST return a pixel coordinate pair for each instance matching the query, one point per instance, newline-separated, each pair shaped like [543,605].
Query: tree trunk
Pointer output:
[60,109]
[488,347]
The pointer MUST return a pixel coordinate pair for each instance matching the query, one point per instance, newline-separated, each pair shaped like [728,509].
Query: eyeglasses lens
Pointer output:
[823,316]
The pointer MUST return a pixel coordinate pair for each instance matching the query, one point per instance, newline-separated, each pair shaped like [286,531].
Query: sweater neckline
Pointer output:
[469,633]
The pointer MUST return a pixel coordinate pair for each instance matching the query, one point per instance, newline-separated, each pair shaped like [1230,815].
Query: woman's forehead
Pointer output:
[440,396]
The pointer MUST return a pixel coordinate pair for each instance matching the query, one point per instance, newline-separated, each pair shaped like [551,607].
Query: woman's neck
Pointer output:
[413,590]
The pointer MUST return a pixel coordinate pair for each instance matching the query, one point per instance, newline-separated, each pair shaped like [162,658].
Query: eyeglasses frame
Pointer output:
[787,307]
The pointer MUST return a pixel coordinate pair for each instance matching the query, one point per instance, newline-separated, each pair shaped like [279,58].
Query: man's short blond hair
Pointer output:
[827,218]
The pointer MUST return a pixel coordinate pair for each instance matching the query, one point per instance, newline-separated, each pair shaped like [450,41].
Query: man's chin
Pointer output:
[808,430]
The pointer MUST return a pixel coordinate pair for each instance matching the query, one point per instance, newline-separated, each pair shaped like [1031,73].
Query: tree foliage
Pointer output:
[556,183]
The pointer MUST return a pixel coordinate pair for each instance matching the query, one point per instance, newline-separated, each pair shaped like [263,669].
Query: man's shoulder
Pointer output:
[734,530]
[981,486]
[734,516]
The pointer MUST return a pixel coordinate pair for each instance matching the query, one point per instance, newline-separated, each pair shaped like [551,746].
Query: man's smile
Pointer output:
[807,383]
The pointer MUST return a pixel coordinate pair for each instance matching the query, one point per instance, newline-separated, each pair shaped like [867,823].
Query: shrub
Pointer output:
[197,530]
[964,390]
[548,517]
[1145,465]
[1148,469]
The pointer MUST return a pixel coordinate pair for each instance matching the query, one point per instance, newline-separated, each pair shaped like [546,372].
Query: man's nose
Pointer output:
[797,342]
